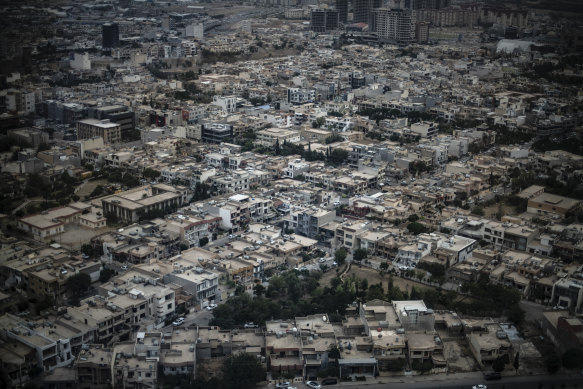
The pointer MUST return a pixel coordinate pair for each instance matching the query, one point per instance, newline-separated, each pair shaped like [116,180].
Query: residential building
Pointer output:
[91,128]
[110,35]
[323,20]
[308,221]
[550,204]
[489,344]
[393,25]
[119,114]
[216,132]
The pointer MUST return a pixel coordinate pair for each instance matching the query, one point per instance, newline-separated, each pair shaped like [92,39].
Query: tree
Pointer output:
[360,254]
[277,147]
[151,173]
[478,211]
[203,241]
[87,249]
[416,228]
[498,365]
[553,362]
[242,371]
[333,352]
[333,138]
[340,255]
[42,147]
[516,314]
[516,362]
[105,274]
[338,157]
[78,283]
[573,358]
[413,218]
[258,290]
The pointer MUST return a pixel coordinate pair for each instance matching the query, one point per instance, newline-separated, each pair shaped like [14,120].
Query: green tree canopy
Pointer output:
[340,255]
[78,283]
[360,254]
[242,371]
[416,228]
[573,358]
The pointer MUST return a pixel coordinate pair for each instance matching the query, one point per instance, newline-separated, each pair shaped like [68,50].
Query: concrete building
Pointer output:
[227,103]
[414,315]
[568,294]
[216,132]
[324,20]
[307,221]
[119,114]
[300,96]
[142,201]
[550,204]
[270,136]
[363,10]
[81,61]
[393,25]
[489,344]
[90,128]
[110,35]
[342,7]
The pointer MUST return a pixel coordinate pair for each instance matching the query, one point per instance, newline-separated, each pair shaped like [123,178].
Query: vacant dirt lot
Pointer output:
[86,188]
[458,356]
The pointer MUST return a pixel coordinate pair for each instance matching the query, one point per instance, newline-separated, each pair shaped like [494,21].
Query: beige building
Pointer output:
[90,128]
[550,204]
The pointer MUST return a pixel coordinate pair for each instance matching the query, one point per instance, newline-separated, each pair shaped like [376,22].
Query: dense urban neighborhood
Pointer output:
[291,194]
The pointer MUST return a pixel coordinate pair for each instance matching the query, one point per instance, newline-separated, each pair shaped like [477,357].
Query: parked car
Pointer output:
[250,325]
[479,386]
[178,322]
[329,381]
[283,385]
[492,375]
[124,267]
[211,307]
[313,385]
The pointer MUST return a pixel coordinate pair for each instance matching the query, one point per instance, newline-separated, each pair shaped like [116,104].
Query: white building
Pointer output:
[81,62]
[227,103]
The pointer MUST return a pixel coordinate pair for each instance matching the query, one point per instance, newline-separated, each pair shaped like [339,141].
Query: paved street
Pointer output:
[465,381]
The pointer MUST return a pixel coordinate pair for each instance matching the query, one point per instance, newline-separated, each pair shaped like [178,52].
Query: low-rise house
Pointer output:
[283,348]
[93,367]
[489,344]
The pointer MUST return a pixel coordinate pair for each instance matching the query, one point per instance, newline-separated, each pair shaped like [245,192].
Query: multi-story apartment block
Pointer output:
[394,25]
[216,132]
[119,114]
[323,20]
[307,221]
[270,136]
[90,128]
[300,96]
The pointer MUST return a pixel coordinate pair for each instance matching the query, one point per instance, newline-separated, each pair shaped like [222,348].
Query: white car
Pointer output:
[178,322]
[480,386]
[211,307]
[313,385]
[322,260]
[124,267]
[283,385]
